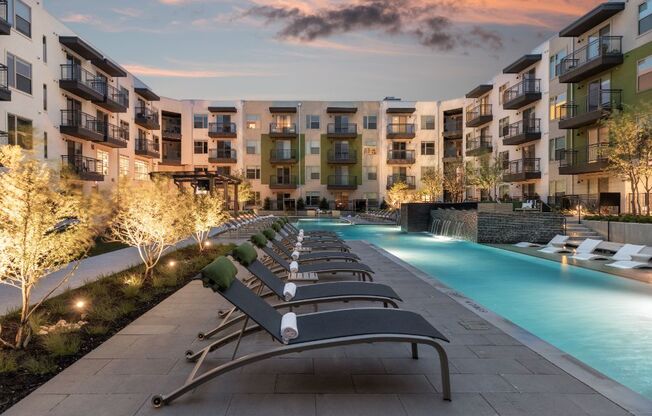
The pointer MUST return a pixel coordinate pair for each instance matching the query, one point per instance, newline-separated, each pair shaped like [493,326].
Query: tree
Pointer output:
[203,212]
[323,204]
[267,203]
[486,175]
[454,182]
[630,150]
[300,204]
[152,217]
[399,193]
[432,184]
[45,224]
[245,190]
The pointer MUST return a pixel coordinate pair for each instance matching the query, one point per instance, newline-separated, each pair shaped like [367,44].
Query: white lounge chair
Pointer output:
[585,250]
[623,254]
[557,241]
[556,245]
[637,260]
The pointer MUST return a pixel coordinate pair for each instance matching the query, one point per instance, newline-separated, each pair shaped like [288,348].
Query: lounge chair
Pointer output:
[556,245]
[586,249]
[315,256]
[557,241]
[304,332]
[639,260]
[623,254]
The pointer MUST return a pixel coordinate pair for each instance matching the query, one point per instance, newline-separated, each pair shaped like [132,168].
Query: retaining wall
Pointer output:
[622,232]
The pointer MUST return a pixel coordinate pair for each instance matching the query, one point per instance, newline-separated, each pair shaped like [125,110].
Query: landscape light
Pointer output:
[80,304]
[207,243]
[172,263]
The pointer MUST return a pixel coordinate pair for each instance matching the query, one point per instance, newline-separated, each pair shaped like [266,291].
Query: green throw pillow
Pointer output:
[269,234]
[219,274]
[259,240]
[276,226]
[245,253]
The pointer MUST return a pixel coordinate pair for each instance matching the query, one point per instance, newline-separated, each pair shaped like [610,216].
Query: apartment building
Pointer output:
[76,108]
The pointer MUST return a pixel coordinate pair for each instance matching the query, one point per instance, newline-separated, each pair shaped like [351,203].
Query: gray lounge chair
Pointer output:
[317,255]
[314,331]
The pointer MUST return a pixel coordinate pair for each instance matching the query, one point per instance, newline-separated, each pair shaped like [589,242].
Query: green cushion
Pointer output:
[245,253]
[219,274]
[259,240]
[276,226]
[269,234]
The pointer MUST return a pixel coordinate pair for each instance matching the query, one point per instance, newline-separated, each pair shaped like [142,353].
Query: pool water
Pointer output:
[603,320]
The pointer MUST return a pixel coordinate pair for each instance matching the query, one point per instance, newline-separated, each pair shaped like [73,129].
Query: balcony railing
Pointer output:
[282,155]
[5,26]
[523,131]
[588,159]
[86,167]
[4,138]
[283,181]
[453,127]
[338,129]
[410,181]
[400,128]
[147,117]
[117,96]
[478,145]
[342,156]
[147,146]
[478,114]
[81,82]
[590,55]
[222,154]
[282,129]
[595,106]
[221,129]
[400,156]
[521,170]
[521,94]
[116,135]
[79,119]
[342,181]
[5,92]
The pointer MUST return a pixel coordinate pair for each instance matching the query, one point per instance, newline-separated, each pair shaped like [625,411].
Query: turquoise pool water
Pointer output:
[604,321]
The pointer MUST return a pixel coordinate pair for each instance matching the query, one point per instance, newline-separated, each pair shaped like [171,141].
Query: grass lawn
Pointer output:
[102,246]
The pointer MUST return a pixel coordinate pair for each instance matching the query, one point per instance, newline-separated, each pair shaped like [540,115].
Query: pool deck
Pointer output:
[492,371]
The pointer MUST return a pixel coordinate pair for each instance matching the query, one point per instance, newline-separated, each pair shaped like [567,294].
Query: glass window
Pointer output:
[252,172]
[370,172]
[45,97]
[313,173]
[370,122]
[104,158]
[427,122]
[23,21]
[312,198]
[644,17]
[557,144]
[141,170]
[312,122]
[501,91]
[428,148]
[252,121]
[644,74]
[201,121]
[124,165]
[45,145]
[314,147]
[555,63]
[201,147]
[370,147]
[557,106]
[253,147]
[19,73]
[20,131]
[45,49]
[503,126]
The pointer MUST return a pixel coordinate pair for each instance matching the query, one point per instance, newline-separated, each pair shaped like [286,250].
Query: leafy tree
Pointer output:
[486,175]
[399,193]
[203,212]
[45,224]
[432,184]
[323,204]
[300,204]
[455,182]
[245,190]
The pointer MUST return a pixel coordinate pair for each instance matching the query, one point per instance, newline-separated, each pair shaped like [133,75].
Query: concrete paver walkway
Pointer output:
[492,373]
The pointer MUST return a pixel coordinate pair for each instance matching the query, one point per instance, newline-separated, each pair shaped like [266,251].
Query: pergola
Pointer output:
[216,181]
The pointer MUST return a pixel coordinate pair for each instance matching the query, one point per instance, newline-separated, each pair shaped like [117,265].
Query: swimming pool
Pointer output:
[604,321]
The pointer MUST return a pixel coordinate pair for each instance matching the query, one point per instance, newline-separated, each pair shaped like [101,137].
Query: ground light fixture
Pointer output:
[172,263]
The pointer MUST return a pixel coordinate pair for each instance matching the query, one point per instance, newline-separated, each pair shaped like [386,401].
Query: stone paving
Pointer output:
[492,373]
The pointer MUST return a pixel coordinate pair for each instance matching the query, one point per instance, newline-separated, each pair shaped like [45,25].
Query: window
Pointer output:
[20,131]
[141,170]
[312,199]
[314,147]
[558,106]
[504,158]
[644,74]
[124,130]
[200,121]
[501,91]
[556,146]
[427,122]
[370,172]
[644,17]
[252,172]
[503,126]
[557,187]
[45,97]
[45,49]
[201,147]
[253,121]
[45,145]
[23,21]
[253,147]
[124,166]
[428,148]
[370,122]
[370,147]
[555,63]
[19,73]
[313,173]
[104,157]
[312,122]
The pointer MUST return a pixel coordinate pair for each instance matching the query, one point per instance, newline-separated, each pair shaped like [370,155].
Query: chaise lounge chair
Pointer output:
[585,251]
[304,332]
[314,256]
[557,245]
[557,241]
[638,260]
[623,254]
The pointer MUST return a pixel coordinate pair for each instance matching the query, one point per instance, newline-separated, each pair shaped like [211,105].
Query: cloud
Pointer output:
[128,12]
[152,71]
[78,18]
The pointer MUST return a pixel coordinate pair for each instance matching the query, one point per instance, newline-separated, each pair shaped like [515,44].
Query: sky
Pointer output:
[315,49]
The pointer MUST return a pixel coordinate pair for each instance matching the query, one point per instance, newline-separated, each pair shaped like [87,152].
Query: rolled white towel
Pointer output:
[300,238]
[289,328]
[295,255]
[301,231]
[297,245]
[294,267]
[289,291]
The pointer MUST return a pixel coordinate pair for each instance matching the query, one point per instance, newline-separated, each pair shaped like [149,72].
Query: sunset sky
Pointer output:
[315,49]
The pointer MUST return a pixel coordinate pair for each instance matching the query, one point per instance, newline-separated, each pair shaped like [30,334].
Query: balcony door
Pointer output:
[283,121]
[73,113]
[342,173]
[224,123]
[224,148]
[598,94]
[594,44]
[528,120]
[75,149]
[341,123]
[342,150]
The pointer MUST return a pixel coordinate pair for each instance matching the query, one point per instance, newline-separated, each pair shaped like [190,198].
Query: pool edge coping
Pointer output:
[619,394]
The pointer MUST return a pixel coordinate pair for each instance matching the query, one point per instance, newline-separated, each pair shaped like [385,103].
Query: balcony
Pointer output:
[115,136]
[86,168]
[597,106]
[342,131]
[400,131]
[479,115]
[5,92]
[81,125]
[76,80]
[342,157]
[282,131]
[400,157]
[5,26]
[222,156]
[597,56]
[452,128]
[344,182]
[147,118]
[147,148]
[522,170]
[4,138]
[283,182]
[523,131]
[589,159]
[222,130]
[170,131]
[479,146]
[115,100]
[283,156]
[410,181]
[522,94]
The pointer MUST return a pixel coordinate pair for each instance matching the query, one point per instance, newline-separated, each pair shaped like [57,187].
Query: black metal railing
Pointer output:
[453,125]
[149,114]
[282,154]
[602,46]
[528,126]
[4,84]
[452,152]
[222,154]
[527,86]
[479,142]
[4,10]
[342,156]
[76,118]
[524,165]
[280,128]
[116,95]
[600,100]
[288,180]
[74,72]
[342,180]
[598,152]
[82,164]
[116,133]
[407,155]
[400,128]
[480,110]
[147,145]
[342,128]
[408,180]
[4,138]
[222,128]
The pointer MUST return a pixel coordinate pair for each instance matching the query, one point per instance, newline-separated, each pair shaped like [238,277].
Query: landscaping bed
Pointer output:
[75,322]
[641,219]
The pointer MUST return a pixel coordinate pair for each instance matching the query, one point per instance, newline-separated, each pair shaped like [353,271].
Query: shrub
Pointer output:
[103,312]
[163,281]
[132,283]
[39,366]
[97,329]
[383,204]
[621,218]
[125,308]
[61,344]
[58,306]
[300,204]
[8,362]
[267,204]
[323,204]
[36,321]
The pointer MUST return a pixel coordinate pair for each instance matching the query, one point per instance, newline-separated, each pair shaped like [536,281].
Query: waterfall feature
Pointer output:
[450,227]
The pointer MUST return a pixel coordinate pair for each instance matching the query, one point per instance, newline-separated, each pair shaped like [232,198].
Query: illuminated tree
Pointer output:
[432,184]
[486,175]
[204,212]
[455,182]
[399,193]
[44,225]
[245,190]
[152,216]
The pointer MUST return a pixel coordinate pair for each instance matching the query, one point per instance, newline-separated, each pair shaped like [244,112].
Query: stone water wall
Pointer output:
[513,227]
[455,223]
[415,216]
